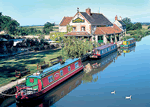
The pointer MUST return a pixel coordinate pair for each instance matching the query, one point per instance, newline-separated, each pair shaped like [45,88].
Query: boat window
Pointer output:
[76,65]
[101,51]
[61,72]
[95,51]
[31,80]
[50,79]
[69,68]
[107,49]
[111,47]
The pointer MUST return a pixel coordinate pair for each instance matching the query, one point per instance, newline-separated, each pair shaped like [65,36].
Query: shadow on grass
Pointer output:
[21,61]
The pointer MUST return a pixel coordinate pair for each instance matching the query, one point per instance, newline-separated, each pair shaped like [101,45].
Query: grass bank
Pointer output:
[137,34]
[9,65]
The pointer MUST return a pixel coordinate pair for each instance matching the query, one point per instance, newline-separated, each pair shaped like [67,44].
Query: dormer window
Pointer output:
[74,28]
[82,28]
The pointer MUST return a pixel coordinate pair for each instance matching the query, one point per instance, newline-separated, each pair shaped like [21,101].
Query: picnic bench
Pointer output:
[42,65]
[56,60]
[22,72]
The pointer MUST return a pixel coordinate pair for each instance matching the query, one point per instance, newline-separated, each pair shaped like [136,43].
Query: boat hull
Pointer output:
[104,55]
[128,46]
[26,98]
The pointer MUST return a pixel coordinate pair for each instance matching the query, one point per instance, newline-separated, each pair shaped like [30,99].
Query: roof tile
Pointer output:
[65,21]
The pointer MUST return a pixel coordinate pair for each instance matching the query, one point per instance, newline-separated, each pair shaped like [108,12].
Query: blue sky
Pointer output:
[38,12]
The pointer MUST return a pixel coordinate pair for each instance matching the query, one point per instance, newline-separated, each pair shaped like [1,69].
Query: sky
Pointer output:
[38,12]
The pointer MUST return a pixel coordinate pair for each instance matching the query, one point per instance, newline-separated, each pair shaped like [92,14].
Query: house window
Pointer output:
[50,79]
[61,72]
[82,28]
[76,65]
[74,28]
[69,68]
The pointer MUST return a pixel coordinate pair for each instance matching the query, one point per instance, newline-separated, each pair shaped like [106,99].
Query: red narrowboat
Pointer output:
[39,83]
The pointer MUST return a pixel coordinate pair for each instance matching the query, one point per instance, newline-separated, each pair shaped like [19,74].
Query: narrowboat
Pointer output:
[128,43]
[41,82]
[103,51]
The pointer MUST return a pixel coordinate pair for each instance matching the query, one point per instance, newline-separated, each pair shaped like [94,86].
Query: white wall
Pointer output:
[62,28]
[78,25]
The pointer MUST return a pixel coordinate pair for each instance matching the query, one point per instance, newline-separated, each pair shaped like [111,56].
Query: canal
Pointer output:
[126,71]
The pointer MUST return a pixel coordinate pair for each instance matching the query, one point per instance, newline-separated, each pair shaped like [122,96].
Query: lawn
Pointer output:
[55,28]
[145,26]
[9,65]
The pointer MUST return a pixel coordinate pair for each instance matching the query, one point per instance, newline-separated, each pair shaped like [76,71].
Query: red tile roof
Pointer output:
[117,28]
[107,30]
[77,34]
[65,21]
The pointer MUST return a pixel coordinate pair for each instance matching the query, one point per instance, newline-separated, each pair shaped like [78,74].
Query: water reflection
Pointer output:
[127,50]
[57,93]
[98,65]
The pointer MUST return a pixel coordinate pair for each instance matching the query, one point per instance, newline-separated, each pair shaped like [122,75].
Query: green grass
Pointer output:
[9,65]
[55,28]
[37,27]
[137,34]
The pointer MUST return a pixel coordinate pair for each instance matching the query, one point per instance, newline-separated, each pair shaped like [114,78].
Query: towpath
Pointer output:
[11,84]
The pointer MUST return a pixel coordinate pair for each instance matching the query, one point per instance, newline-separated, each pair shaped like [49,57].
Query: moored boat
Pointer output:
[41,82]
[103,51]
[128,43]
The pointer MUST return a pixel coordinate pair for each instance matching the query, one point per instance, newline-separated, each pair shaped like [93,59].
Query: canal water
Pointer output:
[125,71]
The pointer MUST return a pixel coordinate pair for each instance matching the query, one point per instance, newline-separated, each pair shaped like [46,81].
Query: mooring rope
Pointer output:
[8,94]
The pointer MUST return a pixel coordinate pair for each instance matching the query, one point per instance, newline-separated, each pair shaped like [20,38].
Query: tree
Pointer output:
[126,20]
[76,47]
[137,26]
[48,27]
[148,27]
[69,28]
[12,26]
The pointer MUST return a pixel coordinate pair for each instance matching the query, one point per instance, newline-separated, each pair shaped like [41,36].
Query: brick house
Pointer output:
[94,26]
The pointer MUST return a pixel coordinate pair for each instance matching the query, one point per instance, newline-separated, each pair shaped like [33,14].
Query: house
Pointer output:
[93,26]
[120,24]
[63,24]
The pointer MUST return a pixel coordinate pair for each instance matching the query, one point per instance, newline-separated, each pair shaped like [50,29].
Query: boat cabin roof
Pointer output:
[130,39]
[103,47]
[55,67]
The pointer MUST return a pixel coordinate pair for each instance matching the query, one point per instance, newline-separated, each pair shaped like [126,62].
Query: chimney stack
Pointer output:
[88,11]
[120,18]
[116,18]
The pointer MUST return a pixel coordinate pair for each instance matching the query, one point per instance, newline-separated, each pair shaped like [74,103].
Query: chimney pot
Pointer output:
[88,11]
[116,18]
[120,18]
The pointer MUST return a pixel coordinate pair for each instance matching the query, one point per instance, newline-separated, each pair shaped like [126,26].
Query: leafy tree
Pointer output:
[130,25]
[137,26]
[127,20]
[69,28]
[76,47]
[148,27]
[48,27]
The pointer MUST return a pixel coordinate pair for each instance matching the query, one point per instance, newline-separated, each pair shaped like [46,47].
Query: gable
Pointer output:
[65,21]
